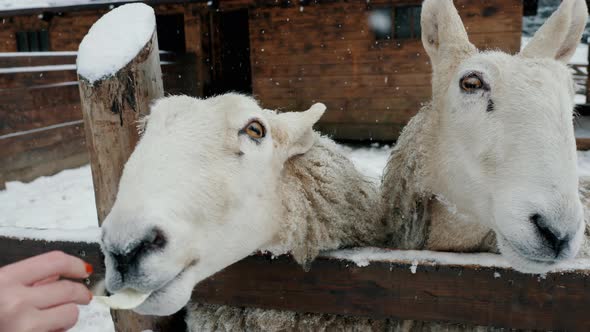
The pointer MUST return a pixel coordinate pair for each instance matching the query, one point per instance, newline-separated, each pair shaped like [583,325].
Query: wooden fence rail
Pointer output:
[40,103]
[487,296]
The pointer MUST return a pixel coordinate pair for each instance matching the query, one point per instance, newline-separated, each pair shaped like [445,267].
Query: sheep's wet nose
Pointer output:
[124,260]
[551,237]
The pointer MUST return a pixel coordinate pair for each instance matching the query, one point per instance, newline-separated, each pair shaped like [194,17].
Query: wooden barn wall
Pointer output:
[40,118]
[327,53]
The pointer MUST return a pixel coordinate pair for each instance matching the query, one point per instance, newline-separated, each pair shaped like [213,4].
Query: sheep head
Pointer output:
[198,194]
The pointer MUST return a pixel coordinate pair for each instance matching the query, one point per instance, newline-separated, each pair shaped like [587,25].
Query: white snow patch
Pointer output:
[414,266]
[33,69]
[415,257]
[114,40]
[497,275]
[24,4]
[64,200]
[95,317]
[369,160]
[361,256]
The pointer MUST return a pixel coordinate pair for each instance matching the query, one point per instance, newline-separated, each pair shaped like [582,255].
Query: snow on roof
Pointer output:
[34,4]
[114,40]
[18,7]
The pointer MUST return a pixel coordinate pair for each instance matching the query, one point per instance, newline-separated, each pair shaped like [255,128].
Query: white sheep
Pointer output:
[491,161]
[212,181]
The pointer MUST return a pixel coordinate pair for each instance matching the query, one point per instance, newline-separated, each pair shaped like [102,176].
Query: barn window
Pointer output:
[407,22]
[400,22]
[32,41]
[170,29]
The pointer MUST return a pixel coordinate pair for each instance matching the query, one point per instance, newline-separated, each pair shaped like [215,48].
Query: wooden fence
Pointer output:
[466,294]
[41,127]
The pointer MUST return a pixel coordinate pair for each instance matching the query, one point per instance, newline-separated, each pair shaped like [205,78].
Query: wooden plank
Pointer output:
[37,76]
[465,294]
[15,143]
[583,144]
[314,92]
[38,106]
[392,67]
[42,152]
[387,132]
[484,296]
[29,108]
[31,61]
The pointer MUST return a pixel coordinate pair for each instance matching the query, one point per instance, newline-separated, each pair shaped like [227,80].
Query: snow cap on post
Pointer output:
[114,40]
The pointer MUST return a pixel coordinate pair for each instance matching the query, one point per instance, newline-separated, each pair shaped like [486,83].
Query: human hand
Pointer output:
[32,298]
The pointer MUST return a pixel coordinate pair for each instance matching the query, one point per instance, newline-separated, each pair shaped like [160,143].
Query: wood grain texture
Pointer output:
[111,108]
[326,52]
[485,296]
[466,294]
[45,152]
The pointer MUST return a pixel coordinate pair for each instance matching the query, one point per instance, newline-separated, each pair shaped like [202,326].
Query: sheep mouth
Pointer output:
[162,290]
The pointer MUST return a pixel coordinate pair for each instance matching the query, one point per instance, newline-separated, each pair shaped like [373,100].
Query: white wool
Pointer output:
[114,40]
[477,164]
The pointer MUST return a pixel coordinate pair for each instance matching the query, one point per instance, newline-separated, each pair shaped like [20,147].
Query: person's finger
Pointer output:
[40,267]
[58,293]
[62,317]
[46,281]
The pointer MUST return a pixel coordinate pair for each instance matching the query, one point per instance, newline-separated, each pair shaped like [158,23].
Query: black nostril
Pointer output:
[155,239]
[546,233]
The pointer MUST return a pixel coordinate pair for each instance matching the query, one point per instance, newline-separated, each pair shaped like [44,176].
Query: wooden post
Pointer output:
[111,107]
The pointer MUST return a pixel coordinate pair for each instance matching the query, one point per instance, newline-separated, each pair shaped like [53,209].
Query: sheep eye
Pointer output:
[470,83]
[255,130]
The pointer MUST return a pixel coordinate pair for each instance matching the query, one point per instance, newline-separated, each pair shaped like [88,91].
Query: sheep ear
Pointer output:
[561,33]
[443,34]
[296,132]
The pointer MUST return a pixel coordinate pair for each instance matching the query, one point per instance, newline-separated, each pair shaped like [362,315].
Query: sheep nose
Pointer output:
[551,237]
[125,259]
